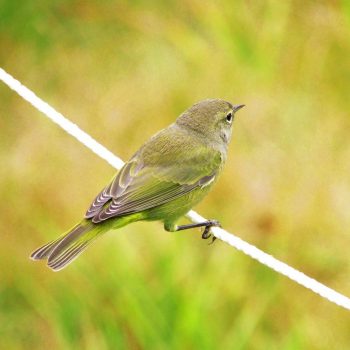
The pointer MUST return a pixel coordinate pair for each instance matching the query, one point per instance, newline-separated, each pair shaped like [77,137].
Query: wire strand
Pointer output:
[225,236]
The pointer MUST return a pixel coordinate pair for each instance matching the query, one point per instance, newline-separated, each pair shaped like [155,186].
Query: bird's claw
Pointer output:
[206,233]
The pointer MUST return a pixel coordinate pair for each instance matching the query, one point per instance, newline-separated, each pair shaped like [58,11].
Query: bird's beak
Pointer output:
[237,108]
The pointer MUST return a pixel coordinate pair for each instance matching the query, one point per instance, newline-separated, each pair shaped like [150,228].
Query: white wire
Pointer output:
[225,236]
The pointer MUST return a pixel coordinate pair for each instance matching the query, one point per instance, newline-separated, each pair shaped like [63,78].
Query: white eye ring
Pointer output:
[229,117]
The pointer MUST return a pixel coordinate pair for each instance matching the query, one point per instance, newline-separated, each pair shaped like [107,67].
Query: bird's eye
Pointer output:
[229,117]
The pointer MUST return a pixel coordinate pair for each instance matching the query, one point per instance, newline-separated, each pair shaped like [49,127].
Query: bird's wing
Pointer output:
[157,174]
[116,187]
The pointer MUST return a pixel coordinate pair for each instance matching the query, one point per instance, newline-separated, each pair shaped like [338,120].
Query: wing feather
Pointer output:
[155,175]
[172,191]
[116,188]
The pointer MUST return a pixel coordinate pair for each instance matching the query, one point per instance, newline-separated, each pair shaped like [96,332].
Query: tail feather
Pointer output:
[66,257]
[66,248]
[44,251]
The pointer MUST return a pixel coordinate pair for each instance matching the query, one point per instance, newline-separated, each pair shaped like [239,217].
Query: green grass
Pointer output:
[122,71]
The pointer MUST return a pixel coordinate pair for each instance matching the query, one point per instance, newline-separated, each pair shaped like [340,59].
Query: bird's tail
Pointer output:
[62,251]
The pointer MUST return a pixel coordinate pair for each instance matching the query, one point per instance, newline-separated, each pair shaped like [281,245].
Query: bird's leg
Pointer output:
[207,224]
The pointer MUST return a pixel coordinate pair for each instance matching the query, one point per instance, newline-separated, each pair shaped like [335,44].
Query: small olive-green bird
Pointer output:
[163,180]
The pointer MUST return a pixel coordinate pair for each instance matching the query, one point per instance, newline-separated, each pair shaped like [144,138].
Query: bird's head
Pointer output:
[212,118]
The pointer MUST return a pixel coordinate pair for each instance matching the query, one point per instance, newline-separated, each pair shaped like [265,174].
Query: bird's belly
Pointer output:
[178,207]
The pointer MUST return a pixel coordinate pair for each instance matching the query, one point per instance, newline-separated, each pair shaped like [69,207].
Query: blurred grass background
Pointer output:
[123,70]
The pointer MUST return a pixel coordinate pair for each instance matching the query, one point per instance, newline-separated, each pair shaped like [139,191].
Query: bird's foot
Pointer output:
[206,233]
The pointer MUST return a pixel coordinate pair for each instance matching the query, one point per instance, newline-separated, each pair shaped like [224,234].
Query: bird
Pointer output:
[169,174]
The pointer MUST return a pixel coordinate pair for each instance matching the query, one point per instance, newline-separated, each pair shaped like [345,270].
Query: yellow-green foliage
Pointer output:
[123,70]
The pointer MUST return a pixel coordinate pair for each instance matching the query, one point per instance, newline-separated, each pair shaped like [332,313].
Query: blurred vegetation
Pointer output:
[123,70]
